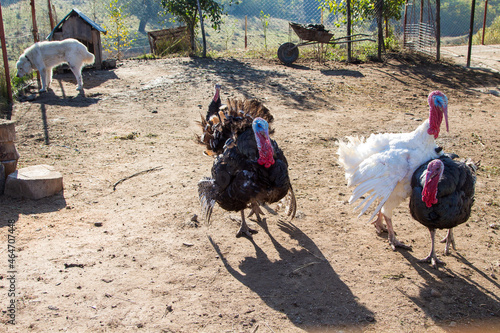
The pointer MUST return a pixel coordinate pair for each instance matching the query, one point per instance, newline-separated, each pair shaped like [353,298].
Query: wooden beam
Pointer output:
[438,30]
[349,32]
[484,21]
[6,64]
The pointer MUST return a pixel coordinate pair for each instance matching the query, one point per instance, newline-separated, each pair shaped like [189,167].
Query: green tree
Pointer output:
[364,9]
[186,11]
[145,10]
[264,20]
[118,36]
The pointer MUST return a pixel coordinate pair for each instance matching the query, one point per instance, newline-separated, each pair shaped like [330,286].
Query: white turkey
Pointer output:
[381,167]
[442,197]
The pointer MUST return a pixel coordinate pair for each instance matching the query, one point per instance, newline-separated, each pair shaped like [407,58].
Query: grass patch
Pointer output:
[491,170]
[130,136]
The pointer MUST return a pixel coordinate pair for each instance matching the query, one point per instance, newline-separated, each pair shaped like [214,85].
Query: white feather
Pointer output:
[382,165]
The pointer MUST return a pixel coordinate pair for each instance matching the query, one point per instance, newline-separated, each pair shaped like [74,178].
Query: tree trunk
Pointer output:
[142,25]
[202,30]
[380,6]
[191,38]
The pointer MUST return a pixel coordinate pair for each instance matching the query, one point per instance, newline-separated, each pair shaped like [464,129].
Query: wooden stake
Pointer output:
[484,21]
[438,30]
[35,35]
[321,54]
[33,19]
[349,45]
[5,63]
[51,19]
[405,22]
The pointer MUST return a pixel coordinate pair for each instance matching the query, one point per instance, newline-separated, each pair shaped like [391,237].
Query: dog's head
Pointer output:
[24,66]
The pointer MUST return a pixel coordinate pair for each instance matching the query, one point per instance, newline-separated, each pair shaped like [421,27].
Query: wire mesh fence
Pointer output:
[249,24]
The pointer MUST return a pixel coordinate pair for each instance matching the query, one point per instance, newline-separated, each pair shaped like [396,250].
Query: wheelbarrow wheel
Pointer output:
[288,53]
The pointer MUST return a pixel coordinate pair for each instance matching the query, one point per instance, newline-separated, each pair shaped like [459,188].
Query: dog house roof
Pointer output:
[76,12]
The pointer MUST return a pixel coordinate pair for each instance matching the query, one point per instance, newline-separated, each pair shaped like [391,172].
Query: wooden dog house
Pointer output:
[78,26]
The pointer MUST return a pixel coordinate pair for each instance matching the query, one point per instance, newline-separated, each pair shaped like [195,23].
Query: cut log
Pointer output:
[2,178]
[7,130]
[34,182]
[8,151]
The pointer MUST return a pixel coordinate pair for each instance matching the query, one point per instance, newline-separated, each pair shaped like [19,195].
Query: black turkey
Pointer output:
[442,197]
[249,169]
[215,104]
[223,122]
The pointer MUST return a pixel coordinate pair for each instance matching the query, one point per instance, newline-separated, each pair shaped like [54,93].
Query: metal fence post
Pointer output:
[471,32]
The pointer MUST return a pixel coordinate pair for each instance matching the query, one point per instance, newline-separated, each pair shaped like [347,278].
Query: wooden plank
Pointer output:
[178,33]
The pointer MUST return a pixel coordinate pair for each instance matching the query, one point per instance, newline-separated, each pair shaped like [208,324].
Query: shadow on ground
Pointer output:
[273,81]
[302,284]
[12,208]
[450,297]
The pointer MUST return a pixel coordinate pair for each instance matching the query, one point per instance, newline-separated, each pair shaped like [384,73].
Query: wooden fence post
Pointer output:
[349,32]
[35,34]
[51,18]
[6,65]
[438,30]
[484,21]
[380,7]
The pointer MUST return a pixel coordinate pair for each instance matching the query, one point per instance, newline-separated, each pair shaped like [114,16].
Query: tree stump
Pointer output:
[8,151]
[34,182]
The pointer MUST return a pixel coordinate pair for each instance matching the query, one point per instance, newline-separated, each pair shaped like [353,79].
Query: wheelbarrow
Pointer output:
[313,34]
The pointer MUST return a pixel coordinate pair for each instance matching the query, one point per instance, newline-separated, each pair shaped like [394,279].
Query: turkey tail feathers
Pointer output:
[248,107]
[473,165]
[206,194]
[230,121]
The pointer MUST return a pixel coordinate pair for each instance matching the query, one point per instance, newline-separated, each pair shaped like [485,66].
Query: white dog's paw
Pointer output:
[79,88]
[42,90]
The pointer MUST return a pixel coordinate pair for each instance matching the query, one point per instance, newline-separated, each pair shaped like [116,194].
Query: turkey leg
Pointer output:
[378,224]
[432,258]
[392,236]
[449,239]
[244,229]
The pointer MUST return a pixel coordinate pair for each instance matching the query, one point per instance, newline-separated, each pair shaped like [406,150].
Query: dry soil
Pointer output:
[122,251]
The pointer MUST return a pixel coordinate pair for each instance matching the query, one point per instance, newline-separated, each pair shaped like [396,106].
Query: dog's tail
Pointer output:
[88,58]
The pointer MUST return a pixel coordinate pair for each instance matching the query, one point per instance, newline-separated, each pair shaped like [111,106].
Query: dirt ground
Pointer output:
[118,256]
[482,56]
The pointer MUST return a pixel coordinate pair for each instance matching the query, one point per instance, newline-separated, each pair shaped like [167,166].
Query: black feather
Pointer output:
[238,181]
[455,195]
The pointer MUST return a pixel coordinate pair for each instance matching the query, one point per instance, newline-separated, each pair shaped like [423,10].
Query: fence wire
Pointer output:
[265,23]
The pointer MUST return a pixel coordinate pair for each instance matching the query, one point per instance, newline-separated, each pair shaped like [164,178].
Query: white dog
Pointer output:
[43,56]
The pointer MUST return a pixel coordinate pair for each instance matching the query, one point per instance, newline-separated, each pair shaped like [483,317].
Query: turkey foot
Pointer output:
[449,239]
[244,229]
[432,258]
[256,210]
[393,242]
[379,226]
